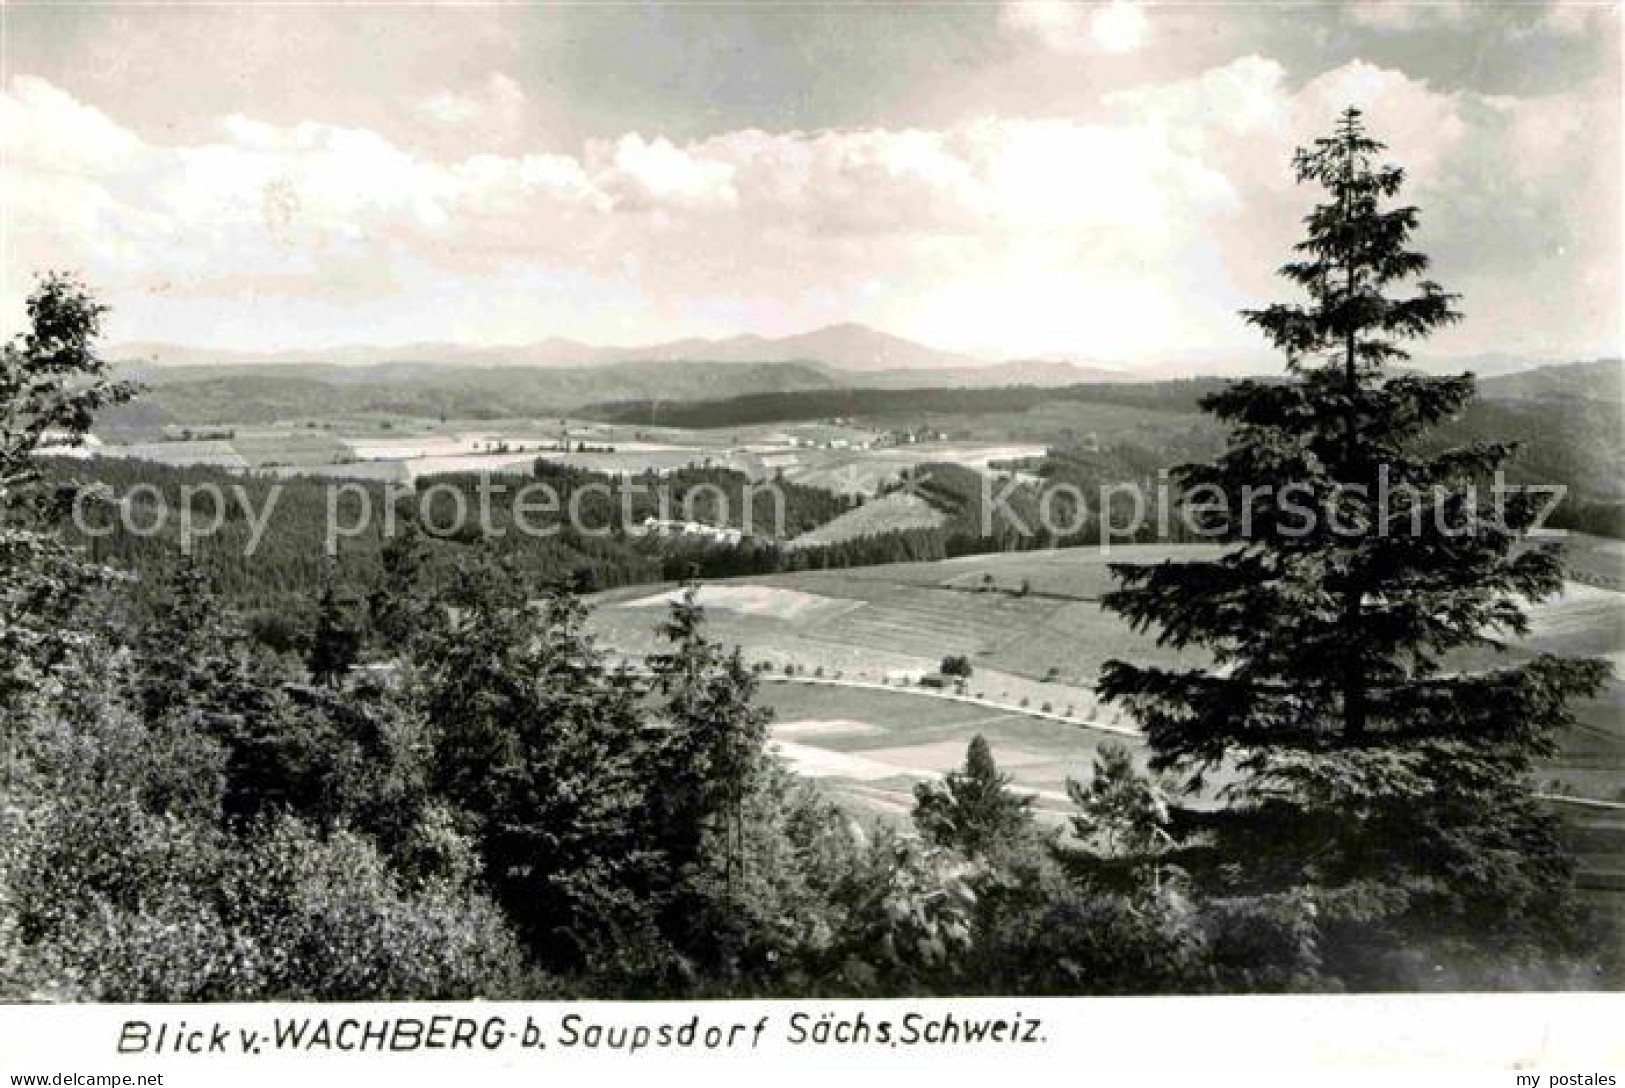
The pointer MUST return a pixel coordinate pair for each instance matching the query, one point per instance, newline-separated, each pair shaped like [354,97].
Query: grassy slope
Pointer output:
[905,617]
[893,513]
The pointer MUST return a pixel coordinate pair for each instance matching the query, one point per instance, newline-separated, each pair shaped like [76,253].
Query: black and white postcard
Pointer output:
[784,539]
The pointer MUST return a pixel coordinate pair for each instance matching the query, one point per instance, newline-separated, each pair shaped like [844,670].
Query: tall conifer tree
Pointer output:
[335,641]
[973,808]
[713,751]
[1363,577]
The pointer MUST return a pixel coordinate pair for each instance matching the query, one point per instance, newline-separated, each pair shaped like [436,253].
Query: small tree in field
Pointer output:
[1373,770]
[972,809]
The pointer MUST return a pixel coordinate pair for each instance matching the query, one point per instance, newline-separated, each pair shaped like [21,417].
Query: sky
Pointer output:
[1105,182]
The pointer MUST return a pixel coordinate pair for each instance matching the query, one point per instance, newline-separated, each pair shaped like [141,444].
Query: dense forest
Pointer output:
[131,517]
[495,809]
[191,816]
[263,394]
[261,541]
[880,404]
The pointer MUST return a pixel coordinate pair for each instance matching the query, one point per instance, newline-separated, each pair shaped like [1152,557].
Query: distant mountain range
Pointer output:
[847,352]
[1599,380]
[187,388]
[882,359]
[844,347]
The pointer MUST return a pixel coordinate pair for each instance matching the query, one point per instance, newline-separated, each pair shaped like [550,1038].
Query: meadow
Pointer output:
[838,457]
[855,717]
[892,513]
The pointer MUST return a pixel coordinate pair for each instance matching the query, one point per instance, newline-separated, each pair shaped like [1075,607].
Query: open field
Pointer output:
[750,600]
[879,629]
[212,452]
[875,746]
[1081,419]
[1595,560]
[281,447]
[884,627]
[897,512]
[868,470]
[913,614]
[838,457]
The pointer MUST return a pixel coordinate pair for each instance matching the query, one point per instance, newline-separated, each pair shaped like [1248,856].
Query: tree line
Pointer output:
[799,405]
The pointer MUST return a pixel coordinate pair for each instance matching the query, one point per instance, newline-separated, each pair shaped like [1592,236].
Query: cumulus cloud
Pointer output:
[1519,195]
[499,100]
[1119,26]
[651,174]
[1136,232]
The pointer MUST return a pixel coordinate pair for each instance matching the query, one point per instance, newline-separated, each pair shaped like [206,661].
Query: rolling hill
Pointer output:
[1599,380]
[843,652]
[850,347]
[263,393]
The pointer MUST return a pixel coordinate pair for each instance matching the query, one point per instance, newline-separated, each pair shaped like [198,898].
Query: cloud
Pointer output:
[650,174]
[493,114]
[1519,195]
[57,133]
[1403,16]
[1137,232]
[1120,26]
[497,102]
[1572,18]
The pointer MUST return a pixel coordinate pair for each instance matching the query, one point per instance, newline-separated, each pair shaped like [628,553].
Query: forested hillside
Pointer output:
[190,814]
[1599,380]
[264,394]
[1564,420]
[588,538]
[885,404]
